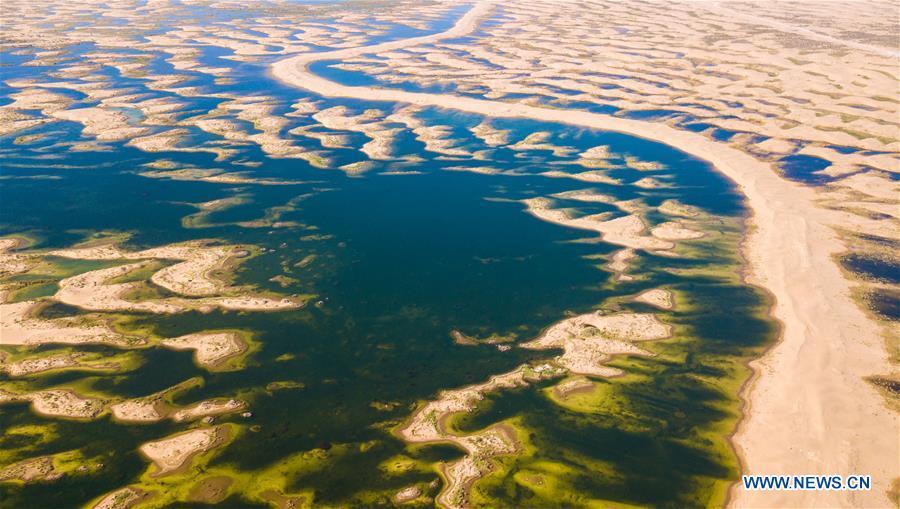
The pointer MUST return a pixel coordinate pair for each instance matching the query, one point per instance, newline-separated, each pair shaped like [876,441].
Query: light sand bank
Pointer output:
[58,403]
[589,340]
[19,327]
[192,277]
[211,349]
[657,297]
[171,453]
[122,498]
[427,425]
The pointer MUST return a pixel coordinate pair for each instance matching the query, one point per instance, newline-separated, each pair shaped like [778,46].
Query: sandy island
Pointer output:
[172,453]
[191,277]
[211,349]
[428,425]
[120,499]
[657,297]
[789,250]
[156,407]
[62,403]
[587,341]
[590,339]
[19,326]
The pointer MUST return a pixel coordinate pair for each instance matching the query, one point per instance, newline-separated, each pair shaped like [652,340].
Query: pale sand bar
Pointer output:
[171,453]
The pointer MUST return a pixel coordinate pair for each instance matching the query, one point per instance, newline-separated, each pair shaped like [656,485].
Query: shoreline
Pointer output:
[812,377]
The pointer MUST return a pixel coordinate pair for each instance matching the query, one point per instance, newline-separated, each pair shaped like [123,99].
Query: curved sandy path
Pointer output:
[809,411]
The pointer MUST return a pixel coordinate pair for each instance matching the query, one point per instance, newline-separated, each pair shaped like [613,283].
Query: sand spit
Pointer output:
[591,339]
[104,124]
[171,453]
[213,176]
[154,408]
[657,297]
[591,176]
[790,250]
[678,209]
[407,494]
[572,386]
[122,498]
[211,349]
[674,230]
[461,474]
[138,410]
[191,277]
[90,291]
[624,231]
[19,327]
[62,403]
[381,137]
[437,138]
[619,263]
[538,141]
[490,135]
[30,470]
[32,365]
[208,408]
[427,425]
[585,195]
[12,262]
